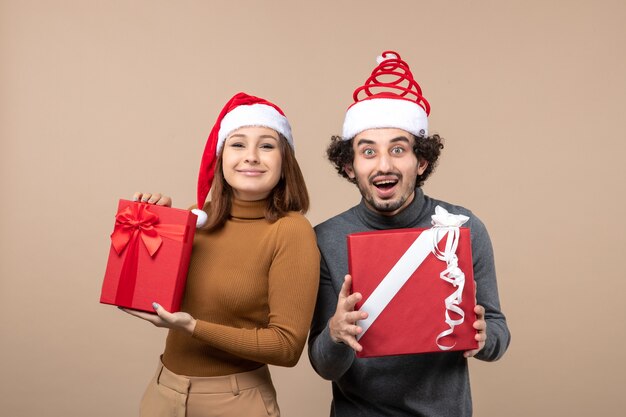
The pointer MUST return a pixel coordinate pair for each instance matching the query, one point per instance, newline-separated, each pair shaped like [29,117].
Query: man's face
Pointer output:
[385,169]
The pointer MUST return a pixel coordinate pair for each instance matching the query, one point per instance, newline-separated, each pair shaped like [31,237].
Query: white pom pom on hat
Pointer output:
[392,99]
[202,217]
[240,111]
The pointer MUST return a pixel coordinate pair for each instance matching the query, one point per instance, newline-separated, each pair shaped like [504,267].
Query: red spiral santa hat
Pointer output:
[390,98]
[240,111]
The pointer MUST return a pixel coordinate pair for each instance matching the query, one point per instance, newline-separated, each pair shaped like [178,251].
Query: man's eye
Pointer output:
[368,152]
[397,150]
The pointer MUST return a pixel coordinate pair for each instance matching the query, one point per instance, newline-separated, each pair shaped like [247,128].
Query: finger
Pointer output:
[164,201]
[480,325]
[137,196]
[356,330]
[353,344]
[163,313]
[480,312]
[141,314]
[145,197]
[355,316]
[470,353]
[481,337]
[351,301]
[154,198]
[346,286]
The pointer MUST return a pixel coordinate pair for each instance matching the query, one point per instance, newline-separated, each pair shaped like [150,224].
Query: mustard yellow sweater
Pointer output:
[252,287]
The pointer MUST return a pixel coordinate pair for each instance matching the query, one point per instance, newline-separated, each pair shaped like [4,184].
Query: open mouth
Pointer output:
[386,184]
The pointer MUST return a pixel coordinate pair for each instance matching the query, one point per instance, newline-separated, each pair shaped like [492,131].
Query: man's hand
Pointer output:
[342,325]
[481,326]
[163,318]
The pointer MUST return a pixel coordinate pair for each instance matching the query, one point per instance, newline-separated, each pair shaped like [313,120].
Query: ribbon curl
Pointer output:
[446,223]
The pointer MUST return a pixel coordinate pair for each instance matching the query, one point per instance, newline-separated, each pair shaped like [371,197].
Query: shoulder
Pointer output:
[295,219]
[478,229]
[333,231]
[293,233]
[338,222]
[332,226]
[293,223]
[473,222]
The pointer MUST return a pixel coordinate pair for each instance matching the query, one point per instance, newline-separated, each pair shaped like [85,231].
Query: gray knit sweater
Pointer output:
[432,384]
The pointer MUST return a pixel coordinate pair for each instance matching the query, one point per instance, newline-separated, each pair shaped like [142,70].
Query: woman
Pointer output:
[252,278]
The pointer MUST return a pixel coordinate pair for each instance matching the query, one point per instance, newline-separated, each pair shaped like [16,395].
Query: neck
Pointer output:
[406,216]
[243,209]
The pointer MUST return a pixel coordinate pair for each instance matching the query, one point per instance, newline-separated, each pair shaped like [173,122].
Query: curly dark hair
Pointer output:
[341,153]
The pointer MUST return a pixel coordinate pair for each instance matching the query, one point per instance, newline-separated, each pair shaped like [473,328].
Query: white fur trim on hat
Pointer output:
[253,115]
[377,113]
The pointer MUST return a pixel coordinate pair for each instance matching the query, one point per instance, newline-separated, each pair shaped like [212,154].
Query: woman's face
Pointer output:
[252,162]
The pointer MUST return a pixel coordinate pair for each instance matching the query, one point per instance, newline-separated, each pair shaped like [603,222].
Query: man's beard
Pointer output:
[384,206]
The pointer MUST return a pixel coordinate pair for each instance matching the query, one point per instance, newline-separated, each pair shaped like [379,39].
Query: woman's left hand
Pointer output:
[163,318]
[153,198]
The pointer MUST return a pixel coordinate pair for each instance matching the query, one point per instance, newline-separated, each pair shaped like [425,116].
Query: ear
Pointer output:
[421,166]
[349,171]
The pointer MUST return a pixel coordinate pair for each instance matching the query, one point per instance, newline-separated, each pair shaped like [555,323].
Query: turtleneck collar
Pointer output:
[409,217]
[248,209]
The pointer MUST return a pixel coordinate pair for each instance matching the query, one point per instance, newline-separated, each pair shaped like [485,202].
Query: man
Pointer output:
[386,151]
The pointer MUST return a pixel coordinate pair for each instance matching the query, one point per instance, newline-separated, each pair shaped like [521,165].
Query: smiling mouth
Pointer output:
[250,171]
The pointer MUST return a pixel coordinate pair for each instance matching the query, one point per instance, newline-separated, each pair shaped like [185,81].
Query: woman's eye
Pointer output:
[267,146]
[236,145]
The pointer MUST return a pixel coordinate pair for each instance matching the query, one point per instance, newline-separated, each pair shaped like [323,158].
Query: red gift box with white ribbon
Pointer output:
[417,286]
[149,256]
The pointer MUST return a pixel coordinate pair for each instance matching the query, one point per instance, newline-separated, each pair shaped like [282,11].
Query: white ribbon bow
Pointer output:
[447,223]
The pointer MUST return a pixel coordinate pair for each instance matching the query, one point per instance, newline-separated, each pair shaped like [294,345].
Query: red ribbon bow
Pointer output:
[132,224]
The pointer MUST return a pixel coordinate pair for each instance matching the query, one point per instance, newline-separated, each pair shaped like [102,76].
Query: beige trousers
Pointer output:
[247,394]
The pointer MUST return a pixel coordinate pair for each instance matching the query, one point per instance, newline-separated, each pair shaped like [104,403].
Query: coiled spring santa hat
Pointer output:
[240,111]
[390,98]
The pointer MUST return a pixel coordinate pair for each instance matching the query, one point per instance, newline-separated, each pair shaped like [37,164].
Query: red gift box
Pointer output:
[149,256]
[399,276]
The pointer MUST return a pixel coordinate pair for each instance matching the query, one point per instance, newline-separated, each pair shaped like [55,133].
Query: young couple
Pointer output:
[256,267]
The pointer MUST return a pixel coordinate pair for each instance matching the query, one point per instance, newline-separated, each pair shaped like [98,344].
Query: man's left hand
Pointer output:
[481,327]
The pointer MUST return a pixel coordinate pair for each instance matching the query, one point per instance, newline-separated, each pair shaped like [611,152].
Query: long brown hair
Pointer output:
[290,194]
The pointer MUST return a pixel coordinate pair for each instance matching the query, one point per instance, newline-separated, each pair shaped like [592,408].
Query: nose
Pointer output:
[384,163]
[252,155]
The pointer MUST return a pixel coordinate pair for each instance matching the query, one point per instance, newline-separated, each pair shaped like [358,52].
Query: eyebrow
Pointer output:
[365,141]
[241,135]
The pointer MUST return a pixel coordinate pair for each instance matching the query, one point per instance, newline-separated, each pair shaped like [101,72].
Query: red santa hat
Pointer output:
[240,111]
[390,98]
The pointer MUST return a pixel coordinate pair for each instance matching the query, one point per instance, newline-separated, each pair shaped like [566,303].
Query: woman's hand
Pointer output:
[163,318]
[156,198]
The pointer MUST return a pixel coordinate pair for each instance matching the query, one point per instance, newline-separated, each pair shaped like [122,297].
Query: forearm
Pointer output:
[498,335]
[271,345]
[329,359]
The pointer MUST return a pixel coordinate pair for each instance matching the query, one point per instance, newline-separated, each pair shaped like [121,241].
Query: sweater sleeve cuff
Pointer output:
[332,359]
[337,351]
[202,331]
